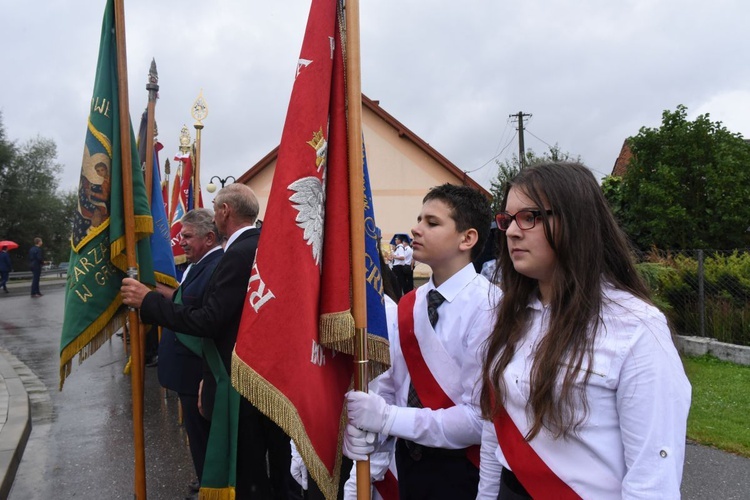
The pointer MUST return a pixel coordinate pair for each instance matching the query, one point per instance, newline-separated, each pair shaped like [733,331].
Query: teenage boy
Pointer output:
[428,399]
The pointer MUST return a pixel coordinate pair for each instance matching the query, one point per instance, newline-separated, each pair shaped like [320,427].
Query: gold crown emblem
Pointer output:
[318,141]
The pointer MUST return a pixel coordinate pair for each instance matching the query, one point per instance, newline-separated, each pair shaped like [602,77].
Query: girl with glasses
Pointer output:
[583,393]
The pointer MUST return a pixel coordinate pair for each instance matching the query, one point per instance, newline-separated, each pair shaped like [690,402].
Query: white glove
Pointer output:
[297,468]
[368,411]
[358,444]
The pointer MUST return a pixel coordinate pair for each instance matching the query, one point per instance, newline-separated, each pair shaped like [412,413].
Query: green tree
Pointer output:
[686,186]
[30,204]
[509,168]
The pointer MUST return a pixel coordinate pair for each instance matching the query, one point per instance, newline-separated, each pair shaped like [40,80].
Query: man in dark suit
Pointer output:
[180,367]
[6,266]
[217,320]
[36,259]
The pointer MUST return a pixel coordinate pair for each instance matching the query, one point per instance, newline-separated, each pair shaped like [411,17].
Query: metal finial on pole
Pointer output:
[185,140]
[152,86]
[199,113]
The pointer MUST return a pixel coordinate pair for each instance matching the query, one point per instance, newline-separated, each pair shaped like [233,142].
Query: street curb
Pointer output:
[700,346]
[17,427]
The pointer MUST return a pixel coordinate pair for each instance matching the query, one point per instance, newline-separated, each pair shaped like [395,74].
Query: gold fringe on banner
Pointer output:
[337,333]
[166,279]
[217,493]
[144,226]
[275,405]
[92,338]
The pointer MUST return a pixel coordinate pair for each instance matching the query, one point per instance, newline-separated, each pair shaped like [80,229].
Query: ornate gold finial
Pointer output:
[185,140]
[166,167]
[200,109]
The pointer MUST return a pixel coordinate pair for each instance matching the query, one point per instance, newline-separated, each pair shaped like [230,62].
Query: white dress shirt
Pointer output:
[408,252]
[632,443]
[236,235]
[465,321]
[398,252]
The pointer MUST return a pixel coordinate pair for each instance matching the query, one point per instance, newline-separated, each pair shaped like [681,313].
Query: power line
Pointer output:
[488,161]
[540,139]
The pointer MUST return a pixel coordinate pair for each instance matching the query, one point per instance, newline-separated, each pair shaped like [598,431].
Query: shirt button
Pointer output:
[663,454]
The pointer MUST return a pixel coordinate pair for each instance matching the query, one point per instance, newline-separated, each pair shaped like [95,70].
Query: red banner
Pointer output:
[183,191]
[298,301]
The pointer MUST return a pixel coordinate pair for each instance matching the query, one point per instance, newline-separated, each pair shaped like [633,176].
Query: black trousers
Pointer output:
[35,274]
[197,429]
[263,457]
[437,475]
[405,277]
[511,488]
[314,493]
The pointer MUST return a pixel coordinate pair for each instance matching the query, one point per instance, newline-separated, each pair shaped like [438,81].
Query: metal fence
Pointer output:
[703,292]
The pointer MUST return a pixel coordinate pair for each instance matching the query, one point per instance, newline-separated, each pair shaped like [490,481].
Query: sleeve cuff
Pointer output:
[400,422]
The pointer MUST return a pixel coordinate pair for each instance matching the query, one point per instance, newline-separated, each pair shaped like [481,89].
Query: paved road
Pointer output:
[81,440]
[80,445]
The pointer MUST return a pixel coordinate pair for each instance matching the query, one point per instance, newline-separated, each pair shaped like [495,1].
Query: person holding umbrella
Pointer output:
[6,266]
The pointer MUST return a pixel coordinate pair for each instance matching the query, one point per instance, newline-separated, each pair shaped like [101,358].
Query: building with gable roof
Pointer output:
[402,168]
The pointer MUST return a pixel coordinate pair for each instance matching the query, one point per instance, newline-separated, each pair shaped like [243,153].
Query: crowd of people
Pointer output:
[555,378]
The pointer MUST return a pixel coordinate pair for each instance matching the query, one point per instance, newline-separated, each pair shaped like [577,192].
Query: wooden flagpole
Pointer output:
[357,210]
[136,374]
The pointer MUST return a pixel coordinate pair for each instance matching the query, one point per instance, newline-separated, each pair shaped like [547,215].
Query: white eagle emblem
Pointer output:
[309,200]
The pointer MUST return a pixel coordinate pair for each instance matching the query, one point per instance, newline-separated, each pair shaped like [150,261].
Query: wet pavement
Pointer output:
[81,441]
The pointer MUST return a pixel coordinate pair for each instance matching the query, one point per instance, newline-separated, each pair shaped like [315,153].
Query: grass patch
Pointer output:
[721,402]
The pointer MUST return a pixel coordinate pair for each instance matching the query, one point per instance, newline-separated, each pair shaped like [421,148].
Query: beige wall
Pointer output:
[401,173]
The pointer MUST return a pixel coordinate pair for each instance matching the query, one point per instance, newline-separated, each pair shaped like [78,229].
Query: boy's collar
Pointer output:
[453,285]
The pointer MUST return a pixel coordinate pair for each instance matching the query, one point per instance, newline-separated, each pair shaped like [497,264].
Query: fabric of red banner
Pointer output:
[298,301]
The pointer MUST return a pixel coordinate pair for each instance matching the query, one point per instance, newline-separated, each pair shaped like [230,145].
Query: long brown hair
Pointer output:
[590,249]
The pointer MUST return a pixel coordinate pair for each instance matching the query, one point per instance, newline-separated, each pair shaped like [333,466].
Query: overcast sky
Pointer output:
[590,72]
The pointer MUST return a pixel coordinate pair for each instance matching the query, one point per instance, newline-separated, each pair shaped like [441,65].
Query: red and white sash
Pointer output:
[533,473]
[430,393]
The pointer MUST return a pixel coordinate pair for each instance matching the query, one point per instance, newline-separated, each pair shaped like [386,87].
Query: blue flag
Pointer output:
[161,249]
[377,329]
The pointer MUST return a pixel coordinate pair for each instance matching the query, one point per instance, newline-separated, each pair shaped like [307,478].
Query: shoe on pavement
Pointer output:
[150,363]
[194,486]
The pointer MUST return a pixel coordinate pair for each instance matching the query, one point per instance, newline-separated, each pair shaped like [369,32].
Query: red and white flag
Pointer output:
[298,300]
[182,203]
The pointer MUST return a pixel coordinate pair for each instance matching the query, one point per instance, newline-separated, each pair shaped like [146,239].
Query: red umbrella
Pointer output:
[12,245]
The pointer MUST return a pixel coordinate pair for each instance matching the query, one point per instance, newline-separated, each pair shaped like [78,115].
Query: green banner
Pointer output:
[93,305]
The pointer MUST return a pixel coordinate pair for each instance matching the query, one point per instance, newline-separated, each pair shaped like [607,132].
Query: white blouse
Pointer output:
[632,443]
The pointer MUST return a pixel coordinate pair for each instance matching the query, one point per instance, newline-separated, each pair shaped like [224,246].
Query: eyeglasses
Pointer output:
[526,219]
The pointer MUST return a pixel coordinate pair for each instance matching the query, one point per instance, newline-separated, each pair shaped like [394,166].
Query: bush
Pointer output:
[675,281]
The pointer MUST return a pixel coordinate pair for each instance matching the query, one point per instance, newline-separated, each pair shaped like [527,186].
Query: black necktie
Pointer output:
[434,299]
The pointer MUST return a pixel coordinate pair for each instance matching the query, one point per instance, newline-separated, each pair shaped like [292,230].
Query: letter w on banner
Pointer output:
[93,303]
[293,357]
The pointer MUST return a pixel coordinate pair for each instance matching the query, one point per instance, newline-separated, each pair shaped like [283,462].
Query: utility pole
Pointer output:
[521,149]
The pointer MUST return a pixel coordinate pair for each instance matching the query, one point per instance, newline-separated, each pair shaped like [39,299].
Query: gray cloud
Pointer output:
[590,72]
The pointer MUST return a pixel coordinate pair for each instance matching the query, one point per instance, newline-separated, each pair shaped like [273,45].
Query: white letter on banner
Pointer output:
[318,356]
[260,296]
